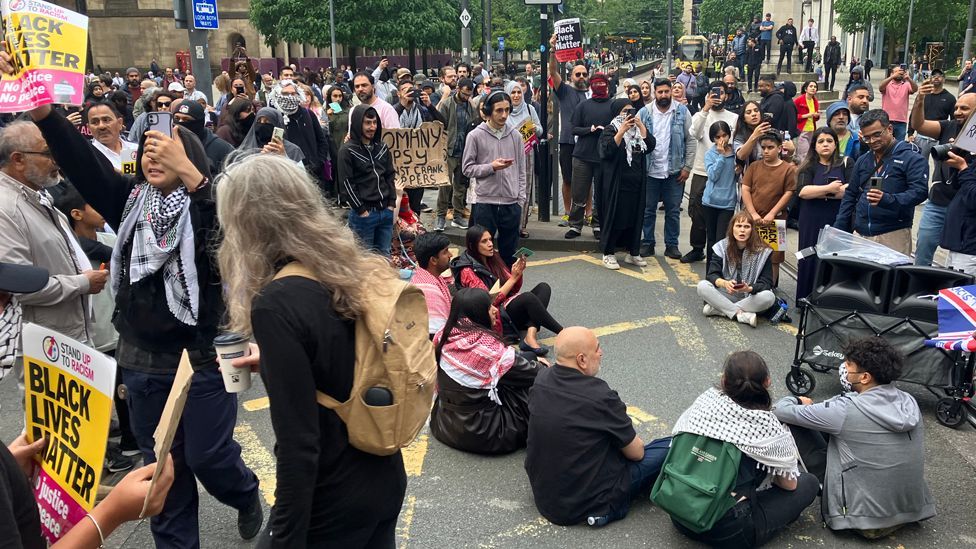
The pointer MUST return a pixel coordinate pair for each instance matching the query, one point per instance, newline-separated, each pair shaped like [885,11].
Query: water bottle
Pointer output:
[778,315]
[598,522]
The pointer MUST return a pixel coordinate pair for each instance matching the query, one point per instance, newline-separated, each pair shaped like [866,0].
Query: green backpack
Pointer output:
[696,480]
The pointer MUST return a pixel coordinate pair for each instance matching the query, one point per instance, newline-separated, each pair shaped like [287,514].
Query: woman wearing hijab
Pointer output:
[259,137]
[624,148]
[237,119]
[94,93]
[634,94]
[524,117]
[168,300]
[337,121]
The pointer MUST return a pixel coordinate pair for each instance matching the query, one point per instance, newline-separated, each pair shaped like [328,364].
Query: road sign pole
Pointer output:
[200,51]
[544,185]
[465,32]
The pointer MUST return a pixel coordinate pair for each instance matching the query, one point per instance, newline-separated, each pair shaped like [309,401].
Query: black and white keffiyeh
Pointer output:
[756,433]
[410,118]
[162,238]
[10,321]
[750,266]
[632,138]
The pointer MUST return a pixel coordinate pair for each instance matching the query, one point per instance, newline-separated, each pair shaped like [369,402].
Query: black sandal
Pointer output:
[523,234]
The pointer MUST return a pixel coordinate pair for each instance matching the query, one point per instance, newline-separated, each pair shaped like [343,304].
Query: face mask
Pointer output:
[600,89]
[263,132]
[845,383]
[247,122]
[289,103]
[195,126]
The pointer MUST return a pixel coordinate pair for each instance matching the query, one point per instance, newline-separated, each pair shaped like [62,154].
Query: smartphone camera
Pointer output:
[716,92]
[152,119]
[239,90]
[876,182]
[415,93]
[767,117]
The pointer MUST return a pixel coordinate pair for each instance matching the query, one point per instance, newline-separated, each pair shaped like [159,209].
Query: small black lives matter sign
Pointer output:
[569,40]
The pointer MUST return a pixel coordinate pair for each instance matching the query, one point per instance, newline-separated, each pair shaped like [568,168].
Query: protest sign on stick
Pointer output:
[419,155]
[48,45]
[68,390]
[569,40]
[773,234]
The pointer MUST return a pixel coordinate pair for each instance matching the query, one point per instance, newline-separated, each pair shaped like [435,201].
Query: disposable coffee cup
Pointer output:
[230,346]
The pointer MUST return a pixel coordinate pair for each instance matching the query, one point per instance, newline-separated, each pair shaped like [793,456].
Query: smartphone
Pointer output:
[336,108]
[239,90]
[716,92]
[876,182]
[278,134]
[904,67]
[523,252]
[631,114]
[738,285]
[161,122]
[767,117]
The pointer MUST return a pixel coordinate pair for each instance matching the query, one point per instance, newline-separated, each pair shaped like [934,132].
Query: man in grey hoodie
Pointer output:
[874,479]
[495,157]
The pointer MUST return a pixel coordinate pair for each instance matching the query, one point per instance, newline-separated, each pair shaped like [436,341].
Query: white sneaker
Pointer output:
[610,262]
[747,318]
[635,260]
[708,310]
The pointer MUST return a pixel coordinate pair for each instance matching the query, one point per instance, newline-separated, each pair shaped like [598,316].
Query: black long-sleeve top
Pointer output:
[325,487]
[142,316]
[590,113]
[763,282]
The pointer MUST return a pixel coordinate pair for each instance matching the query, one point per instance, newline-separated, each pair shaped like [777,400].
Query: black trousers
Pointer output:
[698,235]
[529,309]
[809,45]
[752,77]
[716,226]
[786,51]
[416,196]
[830,75]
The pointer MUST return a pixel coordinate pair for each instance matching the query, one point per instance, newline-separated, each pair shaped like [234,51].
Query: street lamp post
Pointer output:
[908,31]
[332,30]
[967,46]
[670,39]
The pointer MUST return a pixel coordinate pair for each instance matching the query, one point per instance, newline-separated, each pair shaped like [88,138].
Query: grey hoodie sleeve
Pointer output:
[826,417]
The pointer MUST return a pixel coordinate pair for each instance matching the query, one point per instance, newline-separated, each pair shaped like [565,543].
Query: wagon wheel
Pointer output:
[950,412]
[800,382]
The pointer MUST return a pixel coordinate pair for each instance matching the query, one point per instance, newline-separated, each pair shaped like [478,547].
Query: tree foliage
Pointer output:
[722,15]
[932,18]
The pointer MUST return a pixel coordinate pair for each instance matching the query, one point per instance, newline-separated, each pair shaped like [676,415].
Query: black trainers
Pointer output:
[672,252]
[646,250]
[250,520]
[572,233]
[115,462]
[696,254]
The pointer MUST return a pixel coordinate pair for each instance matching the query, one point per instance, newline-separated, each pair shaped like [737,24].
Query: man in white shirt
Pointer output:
[105,124]
[809,38]
[192,93]
[362,84]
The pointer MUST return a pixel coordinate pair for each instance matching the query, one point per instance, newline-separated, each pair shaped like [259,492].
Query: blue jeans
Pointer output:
[929,232]
[502,221]
[899,129]
[203,449]
[669,191]
[643,473]
[375,230]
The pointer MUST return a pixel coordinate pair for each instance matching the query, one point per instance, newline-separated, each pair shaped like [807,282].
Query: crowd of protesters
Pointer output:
[166,212]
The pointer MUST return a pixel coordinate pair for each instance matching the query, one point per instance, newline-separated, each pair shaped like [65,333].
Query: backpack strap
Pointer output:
[297,269]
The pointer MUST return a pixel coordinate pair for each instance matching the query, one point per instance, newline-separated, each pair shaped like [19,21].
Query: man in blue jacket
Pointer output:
[886,186]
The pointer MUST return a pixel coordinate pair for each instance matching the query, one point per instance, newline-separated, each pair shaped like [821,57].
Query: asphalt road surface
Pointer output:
[659,354]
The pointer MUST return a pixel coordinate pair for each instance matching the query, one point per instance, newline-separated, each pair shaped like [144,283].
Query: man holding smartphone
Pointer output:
[894,99]
[885,187]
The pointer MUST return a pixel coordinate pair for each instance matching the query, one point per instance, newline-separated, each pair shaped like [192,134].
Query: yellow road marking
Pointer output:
[731,333]
[788,328]
[528,529]
[256,404]
[621,327]
[688,336]
[413,456]
[684,272]
[258,458]
[554,260]
[406,520]
[638,415]
[652,273]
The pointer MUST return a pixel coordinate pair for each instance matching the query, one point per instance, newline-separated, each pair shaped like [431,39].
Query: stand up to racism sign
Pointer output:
[48,44]
[68,402]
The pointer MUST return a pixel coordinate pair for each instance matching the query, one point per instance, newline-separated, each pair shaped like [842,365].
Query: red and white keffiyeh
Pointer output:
[475,360]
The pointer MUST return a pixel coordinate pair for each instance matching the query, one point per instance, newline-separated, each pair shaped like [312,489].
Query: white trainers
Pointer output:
[747,318]
[610,262]
[635,260]
[708,310]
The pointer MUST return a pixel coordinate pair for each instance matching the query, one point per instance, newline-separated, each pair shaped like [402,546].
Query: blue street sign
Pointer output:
[205,15]
[501,43]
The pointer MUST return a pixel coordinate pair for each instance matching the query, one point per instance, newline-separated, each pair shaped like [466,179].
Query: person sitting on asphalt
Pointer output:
[433,258]
[874,473]
[584,460]
[482,403]
[770,490]
[740,274]
[480,266]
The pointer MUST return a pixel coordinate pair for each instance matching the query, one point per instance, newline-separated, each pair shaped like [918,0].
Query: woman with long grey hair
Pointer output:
[272,214]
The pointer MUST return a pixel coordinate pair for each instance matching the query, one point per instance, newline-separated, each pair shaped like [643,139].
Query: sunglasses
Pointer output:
[162,104]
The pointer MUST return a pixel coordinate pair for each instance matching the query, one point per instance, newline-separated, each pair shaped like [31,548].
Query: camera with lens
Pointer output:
[941,152]
[415,93]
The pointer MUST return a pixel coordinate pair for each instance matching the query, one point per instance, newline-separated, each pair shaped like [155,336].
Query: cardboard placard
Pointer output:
[569,40]
[68,389]
[419,155]
[966,140]
[48,45]
[773,234]
[169,421]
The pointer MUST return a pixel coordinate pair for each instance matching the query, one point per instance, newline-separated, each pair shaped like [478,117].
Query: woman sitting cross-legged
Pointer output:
[739,280]
[480,266]
[482,403]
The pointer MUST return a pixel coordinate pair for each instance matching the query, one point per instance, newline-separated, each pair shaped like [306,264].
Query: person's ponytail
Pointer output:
[744,380]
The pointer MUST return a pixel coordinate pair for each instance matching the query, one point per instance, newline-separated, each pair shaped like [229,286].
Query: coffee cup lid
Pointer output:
[228,338]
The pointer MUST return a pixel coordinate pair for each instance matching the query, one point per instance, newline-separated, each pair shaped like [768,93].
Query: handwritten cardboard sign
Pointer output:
[68,389]
[419,155]
[169,421]
[47,44]
[569,40]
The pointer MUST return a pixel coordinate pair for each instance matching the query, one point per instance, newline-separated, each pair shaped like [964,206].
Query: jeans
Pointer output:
[730,304]
[899,129]
[203,449]
[502,223]
[586,179]
[697,237]
[643,473]
[375,230]
[929,232]
[740,64]
[670,192]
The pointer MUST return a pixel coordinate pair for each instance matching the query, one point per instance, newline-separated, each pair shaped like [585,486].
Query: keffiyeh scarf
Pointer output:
[751,265]
[9,334]
[475,360]
[286,104]
[756,433]
[161,234]
[410,118]
[632,139]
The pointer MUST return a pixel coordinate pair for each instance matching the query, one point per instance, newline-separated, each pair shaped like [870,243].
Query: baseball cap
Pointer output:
[402,72]
[21,279]
[937,71]
[176,87]
[192,108]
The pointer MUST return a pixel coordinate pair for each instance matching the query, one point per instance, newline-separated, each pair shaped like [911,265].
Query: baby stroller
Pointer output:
[855,298]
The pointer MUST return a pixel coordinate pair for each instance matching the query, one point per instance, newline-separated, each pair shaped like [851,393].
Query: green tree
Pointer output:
[931,18]
[722,15]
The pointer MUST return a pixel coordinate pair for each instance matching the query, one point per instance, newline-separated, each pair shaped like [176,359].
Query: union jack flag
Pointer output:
[957,319]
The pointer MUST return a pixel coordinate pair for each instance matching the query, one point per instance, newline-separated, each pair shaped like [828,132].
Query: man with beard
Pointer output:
[713,111]
[945,177]
[267,84]
[831,60]
[588,121]
[302,129]
[774,102]
[35,233]
[859,100]
[838,118]
[570,96]
[733,97]
[458,113]
[362,83]
[463,71]
[894,99]
[192,116]
[786,35]
[766,37]
[105,124]
[449,80]
[669,166]
[132,89]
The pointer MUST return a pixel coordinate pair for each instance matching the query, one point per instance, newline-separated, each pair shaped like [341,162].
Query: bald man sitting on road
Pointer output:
[584,459]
